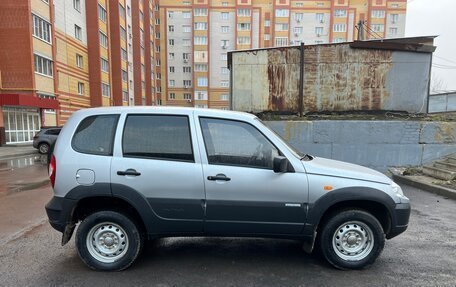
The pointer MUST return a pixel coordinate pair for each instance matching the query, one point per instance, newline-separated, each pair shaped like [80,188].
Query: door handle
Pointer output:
[129,171]
[219,177]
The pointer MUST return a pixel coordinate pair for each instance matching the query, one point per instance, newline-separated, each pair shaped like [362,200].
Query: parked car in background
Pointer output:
[129,174]
[45,138]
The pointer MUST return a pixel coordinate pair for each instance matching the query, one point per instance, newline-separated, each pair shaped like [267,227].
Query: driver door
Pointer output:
[243,194]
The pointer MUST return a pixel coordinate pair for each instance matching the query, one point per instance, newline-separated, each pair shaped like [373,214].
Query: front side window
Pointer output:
[158,137]
[88,138]
[236,143]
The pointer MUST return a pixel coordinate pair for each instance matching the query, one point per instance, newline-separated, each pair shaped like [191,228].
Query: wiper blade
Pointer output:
[307,157]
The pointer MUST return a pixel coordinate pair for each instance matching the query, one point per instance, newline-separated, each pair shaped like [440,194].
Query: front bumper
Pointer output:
[59,211]
[400,220]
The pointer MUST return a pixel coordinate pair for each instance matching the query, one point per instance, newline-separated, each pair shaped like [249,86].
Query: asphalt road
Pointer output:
[423,256]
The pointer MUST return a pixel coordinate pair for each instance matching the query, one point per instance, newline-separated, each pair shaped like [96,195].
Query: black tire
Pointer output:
[133,236]
[328,242]
[43,148]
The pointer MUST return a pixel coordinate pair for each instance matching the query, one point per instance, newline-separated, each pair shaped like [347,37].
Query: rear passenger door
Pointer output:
[154,158]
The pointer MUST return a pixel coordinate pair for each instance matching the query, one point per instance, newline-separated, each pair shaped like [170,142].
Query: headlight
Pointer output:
[397,189]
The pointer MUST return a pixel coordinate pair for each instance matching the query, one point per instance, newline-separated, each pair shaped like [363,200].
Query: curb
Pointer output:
[436,189]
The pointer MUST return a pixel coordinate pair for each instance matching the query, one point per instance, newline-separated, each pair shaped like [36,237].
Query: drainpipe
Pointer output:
[301,81]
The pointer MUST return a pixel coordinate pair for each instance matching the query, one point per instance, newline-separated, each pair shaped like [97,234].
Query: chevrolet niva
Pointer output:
[128,174]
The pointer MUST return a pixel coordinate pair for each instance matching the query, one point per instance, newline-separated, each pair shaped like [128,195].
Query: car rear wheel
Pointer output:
[352,239]
[108,240]
[43,148]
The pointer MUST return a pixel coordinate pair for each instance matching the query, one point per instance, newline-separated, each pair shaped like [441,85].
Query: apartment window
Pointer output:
[170,56]
[224,84]
[171,83]
[157,49]
[243,40]
[157,35]
[77,32]
[338,40]
[171,42]
[225,29]
[225,15]
[187,69]
[43,65]
[319,4]
[267,23]
[125,96]
[121,11]
[224,56]
[171,28]
[102,15]
[297,30]
[123,54]
[124,76]
[105,90]
[340,13]
[318,42]
[394,18]
[187,96]
[171,69]
[201,106]
[224,97]
[281,26]
[378,27]
[394,5]
[267,37]
[200,12]
[103,40]
[79,61]
[378,13]
[157,21]
[202,82]
[393,31]
[281,41]
[200,26]
[243,12]
[186,42]
[225,44]
[339,28]
[299,17]
[299,4]
[170,14]
[158,76]
[172,96]
[282,13]
[319,31]
[41,28]
[77,5]
[123,33]
[187,83]
[320,17]
[80,88]
[243,26]
[186,28]
[200,40]
[201,95]
[186,15]
[224,71]
[200,67]
[104,65]
[186,56]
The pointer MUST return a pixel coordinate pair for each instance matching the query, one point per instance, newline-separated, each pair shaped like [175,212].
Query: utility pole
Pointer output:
[361,30]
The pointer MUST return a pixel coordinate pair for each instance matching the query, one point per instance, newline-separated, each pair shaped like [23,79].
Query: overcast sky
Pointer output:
[436,17]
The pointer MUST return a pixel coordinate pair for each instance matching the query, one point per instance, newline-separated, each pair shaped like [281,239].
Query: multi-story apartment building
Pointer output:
[196,35]
[58,56]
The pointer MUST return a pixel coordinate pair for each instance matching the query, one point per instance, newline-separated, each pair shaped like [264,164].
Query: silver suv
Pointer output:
[131,174]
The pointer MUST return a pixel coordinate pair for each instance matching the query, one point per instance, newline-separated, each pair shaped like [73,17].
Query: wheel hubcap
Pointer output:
[107,242]
[353,241]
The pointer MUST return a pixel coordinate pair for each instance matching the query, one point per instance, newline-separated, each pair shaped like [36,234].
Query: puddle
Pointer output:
[21,162]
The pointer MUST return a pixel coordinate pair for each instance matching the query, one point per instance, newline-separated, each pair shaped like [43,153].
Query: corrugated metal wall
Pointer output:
[336,78]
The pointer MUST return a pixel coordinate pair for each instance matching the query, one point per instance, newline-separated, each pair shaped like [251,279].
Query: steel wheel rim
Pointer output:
[44,148]
[107,242]
[353,241]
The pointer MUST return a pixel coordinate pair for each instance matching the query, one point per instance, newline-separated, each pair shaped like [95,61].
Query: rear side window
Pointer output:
[157,136]
[53,132]
[95,135]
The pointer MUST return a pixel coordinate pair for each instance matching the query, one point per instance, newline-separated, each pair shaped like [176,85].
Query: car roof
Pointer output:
[164,109]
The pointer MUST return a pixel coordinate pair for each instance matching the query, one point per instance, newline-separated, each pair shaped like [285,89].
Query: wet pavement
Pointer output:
[425,255]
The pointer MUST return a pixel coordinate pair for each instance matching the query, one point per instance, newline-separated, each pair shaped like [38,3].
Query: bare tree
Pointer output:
[437,84]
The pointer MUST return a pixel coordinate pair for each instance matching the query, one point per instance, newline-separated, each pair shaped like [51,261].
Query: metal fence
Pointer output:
[440,103]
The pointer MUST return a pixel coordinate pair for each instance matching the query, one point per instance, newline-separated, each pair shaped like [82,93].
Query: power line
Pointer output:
[451,61]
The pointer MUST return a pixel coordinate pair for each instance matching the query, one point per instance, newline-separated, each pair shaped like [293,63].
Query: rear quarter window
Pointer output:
[95,135]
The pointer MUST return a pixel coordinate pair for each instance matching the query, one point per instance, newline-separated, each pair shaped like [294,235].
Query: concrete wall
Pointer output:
[442,103]
[375,144]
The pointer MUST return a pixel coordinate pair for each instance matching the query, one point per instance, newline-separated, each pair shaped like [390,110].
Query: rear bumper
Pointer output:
[59,211]
[400,220]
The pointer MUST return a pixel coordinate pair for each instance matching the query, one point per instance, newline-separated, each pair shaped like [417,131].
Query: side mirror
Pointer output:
[280,164]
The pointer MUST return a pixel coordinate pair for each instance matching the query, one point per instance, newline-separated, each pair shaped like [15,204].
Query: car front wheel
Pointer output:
[108,240]
[352,239]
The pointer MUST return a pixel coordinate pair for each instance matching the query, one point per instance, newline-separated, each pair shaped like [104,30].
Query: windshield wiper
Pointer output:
[307,157]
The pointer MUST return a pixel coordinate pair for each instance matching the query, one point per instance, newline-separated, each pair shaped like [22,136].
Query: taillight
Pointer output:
[52,170]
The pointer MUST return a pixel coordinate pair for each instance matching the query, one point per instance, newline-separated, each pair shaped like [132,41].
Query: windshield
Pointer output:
[294,150]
